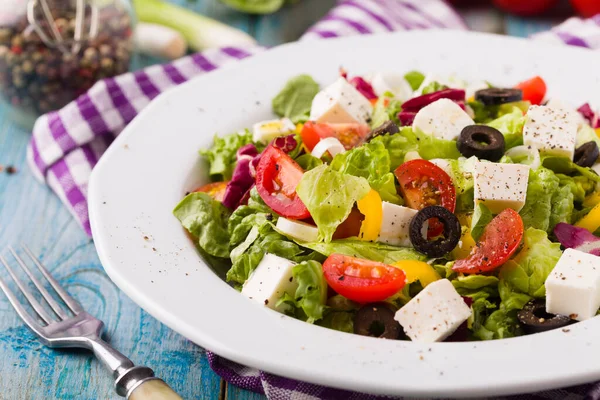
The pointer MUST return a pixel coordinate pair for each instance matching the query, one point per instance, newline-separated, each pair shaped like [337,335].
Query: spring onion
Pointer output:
[199,31]
[159,41]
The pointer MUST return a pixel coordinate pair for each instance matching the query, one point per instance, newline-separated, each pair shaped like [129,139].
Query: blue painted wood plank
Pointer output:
[31,213]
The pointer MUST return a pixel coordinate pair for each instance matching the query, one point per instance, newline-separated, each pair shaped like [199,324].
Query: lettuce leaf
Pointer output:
[528,270]
[311,294]
[372,162]
[221,156]
[251,235]
[541,188]
[295,99]
[330,195]
[407,140]
[205,219]
[481,217]
[308,162]
[521,279]
[562,165]
[342,321]
[382,113]
[374,251]
[415,79]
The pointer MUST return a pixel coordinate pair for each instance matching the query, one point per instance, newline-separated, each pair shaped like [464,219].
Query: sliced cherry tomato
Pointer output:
[533,89]
[422,184]
[361,280]
[350,135]
[277,176]
[525,7]
[216,190]
[586,8]
[499,241]
[351,225]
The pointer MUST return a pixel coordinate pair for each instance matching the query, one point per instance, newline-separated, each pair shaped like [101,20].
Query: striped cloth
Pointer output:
[66,144]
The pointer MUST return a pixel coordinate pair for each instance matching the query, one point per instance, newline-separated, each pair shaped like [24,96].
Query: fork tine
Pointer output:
[31,322]
[34,303]
[53,304]
[71,302]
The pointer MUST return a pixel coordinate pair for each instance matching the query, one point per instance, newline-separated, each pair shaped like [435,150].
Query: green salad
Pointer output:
[409,207]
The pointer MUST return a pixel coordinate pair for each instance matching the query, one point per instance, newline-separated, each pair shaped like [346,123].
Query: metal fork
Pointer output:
[79,329]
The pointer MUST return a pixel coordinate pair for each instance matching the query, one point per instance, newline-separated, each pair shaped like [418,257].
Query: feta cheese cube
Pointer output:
[395,224]
[552,131]
[500,186]
[393,83]
[270,280]
[443,119]
[433,314]
[340,103]
[266,131]
[573,286]
[298,230]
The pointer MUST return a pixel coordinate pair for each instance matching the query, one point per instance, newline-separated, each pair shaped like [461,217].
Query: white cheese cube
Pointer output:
[266,131]
[573,286]
[443,119]
[340,103]
[393,83]
[298,230]
[552,131]
[433,314]
[500,186]
[395,224]
[270,280]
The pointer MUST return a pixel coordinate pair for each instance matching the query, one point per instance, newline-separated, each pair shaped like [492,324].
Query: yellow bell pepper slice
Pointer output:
[591,222]
[466,243]
[299,128]
[592,200]
[370,207]
[417,271]
[598,132]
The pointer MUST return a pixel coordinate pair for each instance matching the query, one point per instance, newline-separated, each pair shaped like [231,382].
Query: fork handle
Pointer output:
[153,389]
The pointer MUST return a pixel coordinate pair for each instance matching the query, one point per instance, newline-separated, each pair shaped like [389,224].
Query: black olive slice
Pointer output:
[377,320]
[497,96]
[387,128]
[536,319]
[586,154]
[443,245]
[481,141]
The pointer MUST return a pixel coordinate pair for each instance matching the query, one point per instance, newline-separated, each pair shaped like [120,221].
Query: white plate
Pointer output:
[145,173]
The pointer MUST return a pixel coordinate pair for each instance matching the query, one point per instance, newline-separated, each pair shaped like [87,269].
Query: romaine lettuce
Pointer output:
[330,196]
[206,219]
[374,251]
[372,162]
[311,294]
[382,112]
[221,156]
[295,99]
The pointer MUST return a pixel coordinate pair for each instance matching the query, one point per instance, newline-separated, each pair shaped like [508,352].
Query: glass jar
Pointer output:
[51,52]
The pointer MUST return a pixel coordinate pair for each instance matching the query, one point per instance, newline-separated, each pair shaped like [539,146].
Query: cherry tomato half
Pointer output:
[525,8]
[499,241]
[216,190]
[350,135]
[422,184]
[533,89]
[361,280]
[587,8]
[277,176]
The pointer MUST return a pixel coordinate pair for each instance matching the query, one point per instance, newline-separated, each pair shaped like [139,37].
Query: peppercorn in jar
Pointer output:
[52,51]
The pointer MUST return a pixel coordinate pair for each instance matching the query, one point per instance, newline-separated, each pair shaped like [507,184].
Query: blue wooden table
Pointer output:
[31,213]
